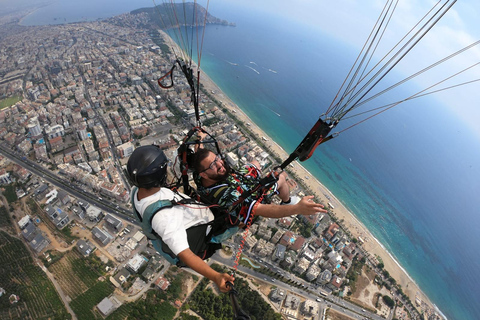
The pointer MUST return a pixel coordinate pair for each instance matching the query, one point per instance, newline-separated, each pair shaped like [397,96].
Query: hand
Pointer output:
[308,207]
[201,135]
[221,281]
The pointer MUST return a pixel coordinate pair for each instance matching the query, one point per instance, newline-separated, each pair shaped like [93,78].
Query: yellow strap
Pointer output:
[216,194]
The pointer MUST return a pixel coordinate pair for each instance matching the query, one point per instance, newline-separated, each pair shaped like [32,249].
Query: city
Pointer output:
[87,96]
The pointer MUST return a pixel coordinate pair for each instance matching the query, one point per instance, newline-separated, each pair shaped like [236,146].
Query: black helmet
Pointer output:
[147,167]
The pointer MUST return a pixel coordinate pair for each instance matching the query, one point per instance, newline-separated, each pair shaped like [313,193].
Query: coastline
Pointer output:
[28,13]
[371,244]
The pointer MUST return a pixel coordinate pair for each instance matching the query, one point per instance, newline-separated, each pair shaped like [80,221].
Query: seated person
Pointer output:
[170,226]
[218,184]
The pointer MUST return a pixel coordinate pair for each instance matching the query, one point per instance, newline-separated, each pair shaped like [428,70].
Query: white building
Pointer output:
[232,159]
[94,213]
[135,263]
[82,133]
[4,177]
[125,150]
[325,277]
[34,127]
[108,305]
[55,131]
[138,236]
[51,196]
[309,308]
[312,272]
[301,266]
[102,236]
[24,221]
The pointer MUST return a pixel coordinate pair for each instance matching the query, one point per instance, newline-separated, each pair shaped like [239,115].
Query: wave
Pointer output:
[269,70]
[278,114]
[252,69]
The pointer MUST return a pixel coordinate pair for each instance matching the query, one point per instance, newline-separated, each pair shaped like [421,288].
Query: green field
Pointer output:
[21,276]
[84,304]
[5,103]
[74,274]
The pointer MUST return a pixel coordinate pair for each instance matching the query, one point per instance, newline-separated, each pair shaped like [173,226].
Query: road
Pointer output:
[59,290]
[77,191]
[336,303]
[108,133]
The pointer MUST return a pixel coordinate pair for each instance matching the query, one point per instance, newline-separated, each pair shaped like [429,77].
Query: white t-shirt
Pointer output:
[171,223]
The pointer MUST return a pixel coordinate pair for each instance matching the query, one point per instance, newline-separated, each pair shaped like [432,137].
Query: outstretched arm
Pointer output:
[306,206]
[196,263]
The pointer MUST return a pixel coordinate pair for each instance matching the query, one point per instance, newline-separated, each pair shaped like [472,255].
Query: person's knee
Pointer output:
[256,164]
[282,180]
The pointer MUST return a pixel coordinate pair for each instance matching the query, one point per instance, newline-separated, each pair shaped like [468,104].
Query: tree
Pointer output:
[388,301]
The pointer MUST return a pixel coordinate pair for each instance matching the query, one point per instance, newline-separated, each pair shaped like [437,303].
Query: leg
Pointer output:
[283,187]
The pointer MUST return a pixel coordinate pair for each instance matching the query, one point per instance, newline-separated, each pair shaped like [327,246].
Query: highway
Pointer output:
[336,303]
[79,191]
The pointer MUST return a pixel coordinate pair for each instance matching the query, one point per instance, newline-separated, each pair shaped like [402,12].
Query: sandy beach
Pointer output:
[356,228]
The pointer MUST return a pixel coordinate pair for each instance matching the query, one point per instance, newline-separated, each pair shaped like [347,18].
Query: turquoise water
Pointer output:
[410,175]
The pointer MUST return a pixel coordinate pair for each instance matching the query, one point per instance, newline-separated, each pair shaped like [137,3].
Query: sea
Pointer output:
[410,175]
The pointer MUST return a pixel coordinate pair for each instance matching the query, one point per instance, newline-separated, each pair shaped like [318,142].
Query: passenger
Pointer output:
[180,229]
[218,184]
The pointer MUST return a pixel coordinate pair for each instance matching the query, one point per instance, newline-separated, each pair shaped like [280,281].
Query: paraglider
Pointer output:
[355,92]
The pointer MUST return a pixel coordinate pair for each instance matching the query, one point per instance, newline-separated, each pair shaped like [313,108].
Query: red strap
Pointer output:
[245,234]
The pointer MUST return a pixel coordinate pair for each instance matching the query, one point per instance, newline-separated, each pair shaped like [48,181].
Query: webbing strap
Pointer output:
[244,236]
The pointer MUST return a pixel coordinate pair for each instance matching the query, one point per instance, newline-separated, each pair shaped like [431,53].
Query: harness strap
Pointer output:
[244,237]
[169,73]
[219,191]
[263,183]
[197,237]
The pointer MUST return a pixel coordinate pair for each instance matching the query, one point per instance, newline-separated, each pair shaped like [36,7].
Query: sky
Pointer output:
[456,30]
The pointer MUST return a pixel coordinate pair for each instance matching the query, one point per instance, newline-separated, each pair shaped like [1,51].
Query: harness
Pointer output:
[200,243]
[246,184]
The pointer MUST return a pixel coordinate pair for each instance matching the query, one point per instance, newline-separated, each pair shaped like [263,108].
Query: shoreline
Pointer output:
[350,222]
[371,244]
